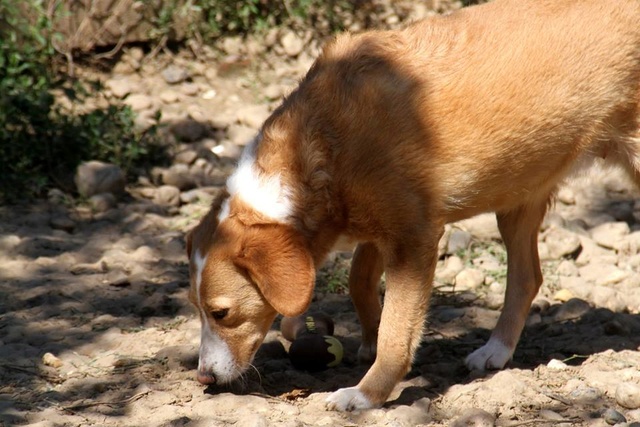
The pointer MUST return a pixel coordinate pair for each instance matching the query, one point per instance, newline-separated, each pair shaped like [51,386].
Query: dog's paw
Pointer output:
[348,399]
[492,355]
[367,353]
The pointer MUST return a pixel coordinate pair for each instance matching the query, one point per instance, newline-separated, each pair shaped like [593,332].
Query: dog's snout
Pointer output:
[206,378]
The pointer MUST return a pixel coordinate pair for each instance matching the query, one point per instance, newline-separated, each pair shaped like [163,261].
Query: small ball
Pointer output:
[315,352]
[294,327]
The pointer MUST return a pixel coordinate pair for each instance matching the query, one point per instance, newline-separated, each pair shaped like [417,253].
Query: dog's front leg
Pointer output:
[364,280]
[409,271]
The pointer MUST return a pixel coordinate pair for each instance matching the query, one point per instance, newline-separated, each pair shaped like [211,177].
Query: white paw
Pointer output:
[348,399]
[493,355]
[367,353]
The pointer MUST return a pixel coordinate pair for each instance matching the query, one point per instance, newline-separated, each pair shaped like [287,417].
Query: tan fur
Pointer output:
[393,134]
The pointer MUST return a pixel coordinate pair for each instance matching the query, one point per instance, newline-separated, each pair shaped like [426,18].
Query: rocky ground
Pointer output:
[96,329]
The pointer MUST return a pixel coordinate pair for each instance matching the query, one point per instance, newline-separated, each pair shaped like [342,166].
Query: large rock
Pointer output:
[96,177]
[85,24]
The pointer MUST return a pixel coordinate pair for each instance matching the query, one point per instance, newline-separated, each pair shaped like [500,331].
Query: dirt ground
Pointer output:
[96,329]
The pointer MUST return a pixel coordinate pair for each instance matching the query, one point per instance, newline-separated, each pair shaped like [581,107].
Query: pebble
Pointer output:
[179,176]
[240,134]
[190,89]
[458,240]
[96,177]
[612,417]
[188,130]
[563,295]
[557,365]
[609,298]
[602,274]
[550,415]
[119,87]
[292,43]
[566,196]
[253,115]
[609,234]
[585,395]
[174,74]
[561,242]
[102,202]
[572,309]
[482,227]
[167,195]
[469,279]
[474,418]
[452,266]
[169,96]
[50,360]
[628,395]
[62,222]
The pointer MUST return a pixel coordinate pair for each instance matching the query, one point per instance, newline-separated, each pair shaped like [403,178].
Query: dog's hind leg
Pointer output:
[364,280]
[519,230]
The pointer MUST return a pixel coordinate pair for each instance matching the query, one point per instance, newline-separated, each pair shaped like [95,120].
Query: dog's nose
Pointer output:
[206,378]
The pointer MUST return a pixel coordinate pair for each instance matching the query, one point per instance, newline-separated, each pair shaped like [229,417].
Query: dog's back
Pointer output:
[523,88]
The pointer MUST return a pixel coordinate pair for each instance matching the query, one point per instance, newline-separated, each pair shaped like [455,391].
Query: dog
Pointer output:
[390,136]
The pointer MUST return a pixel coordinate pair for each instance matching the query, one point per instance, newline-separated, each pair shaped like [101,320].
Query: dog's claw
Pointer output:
[493,355]
[348,399]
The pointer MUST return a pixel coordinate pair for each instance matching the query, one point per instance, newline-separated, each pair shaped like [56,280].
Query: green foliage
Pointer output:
[224,17]
[41,143]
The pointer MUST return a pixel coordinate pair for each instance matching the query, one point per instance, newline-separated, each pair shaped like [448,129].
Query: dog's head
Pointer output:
[243,273]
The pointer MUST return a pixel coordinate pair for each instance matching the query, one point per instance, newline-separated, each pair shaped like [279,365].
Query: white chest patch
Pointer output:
[264,193]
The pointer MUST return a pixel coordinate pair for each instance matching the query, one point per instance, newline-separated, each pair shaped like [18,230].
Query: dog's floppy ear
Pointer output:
[278,261]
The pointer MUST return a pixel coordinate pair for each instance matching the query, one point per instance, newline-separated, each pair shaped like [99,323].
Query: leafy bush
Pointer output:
[221,16]
[40,143]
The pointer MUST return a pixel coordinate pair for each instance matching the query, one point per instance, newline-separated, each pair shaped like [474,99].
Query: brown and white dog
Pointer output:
[393,134]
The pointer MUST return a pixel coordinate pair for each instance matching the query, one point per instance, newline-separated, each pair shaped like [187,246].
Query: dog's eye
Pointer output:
[220,314]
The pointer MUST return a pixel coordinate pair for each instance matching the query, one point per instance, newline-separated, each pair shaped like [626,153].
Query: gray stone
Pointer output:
[175,74]
[572,309]
[458,240]
[96,177]
[188,130]
[628,395]
[62,222]
[585,395]
[167,195]
[102,202]
[612,417]
[179,176]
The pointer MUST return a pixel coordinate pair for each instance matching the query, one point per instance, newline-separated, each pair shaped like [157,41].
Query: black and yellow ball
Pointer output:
[314,352]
